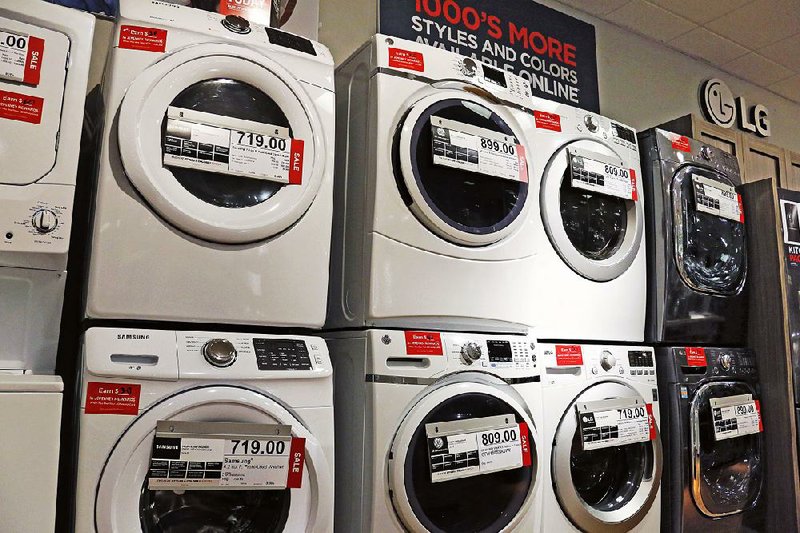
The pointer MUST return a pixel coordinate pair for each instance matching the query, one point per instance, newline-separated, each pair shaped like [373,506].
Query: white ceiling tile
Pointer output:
[595,7]
[707,45]
[700,11]
[759,23]
[757,69]
[789,88]
[785,52]
[650,20]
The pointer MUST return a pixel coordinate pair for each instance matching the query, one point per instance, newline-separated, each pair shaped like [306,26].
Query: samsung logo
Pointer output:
[166,446]
[132,337]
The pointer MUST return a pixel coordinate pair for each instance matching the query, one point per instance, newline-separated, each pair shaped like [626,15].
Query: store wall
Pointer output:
[644,83]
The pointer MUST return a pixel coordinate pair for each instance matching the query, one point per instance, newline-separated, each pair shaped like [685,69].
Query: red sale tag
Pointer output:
[141,38]
[33,61]
[741,208]
[525,444]
[257,11]
[297,455]
[652,421]
[569,355]
[680,142]
[634,187]
[523,164]
[423,343]
[112,398]
[406,59]
[296,162]
[695,356]
[547,121]
[22,107]
[758,410]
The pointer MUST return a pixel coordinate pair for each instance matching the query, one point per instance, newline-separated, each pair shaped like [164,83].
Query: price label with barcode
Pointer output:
[735,416]
[20,57]
[717,198]
[598,173]
[608,423]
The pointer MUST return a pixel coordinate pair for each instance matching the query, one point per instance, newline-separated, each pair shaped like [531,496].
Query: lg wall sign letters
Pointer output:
[722,108]
[555,52]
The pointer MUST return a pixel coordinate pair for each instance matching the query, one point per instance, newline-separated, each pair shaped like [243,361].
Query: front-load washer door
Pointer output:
[604,489]
[727,474]
[461,166]
[710,250]
[125,504]
[436,480]
[591,209]
[33,73]
[222,142]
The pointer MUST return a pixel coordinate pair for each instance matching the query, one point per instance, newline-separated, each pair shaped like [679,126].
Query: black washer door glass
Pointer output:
[730,469]
[714,249]
[235,99]
[608,478]
[213,511]
[484,503]
[468,201]
[595,223]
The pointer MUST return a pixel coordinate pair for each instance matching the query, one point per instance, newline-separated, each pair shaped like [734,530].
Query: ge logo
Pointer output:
[438,442]
[718,103]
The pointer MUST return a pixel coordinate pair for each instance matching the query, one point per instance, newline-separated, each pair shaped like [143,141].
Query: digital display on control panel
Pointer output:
[494,75]
[623,133]
[281,354]
[499,351]
[639,359]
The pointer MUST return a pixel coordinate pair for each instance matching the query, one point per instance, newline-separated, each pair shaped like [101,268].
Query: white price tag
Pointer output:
[597,173]
[735,416]
[467,448]
[468,147]
[608,423]
[716,198]
[218,456]
[226,145]
[20,57]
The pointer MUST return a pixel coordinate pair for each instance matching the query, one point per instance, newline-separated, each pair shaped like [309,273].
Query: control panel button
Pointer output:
[607,360]
[470,352]
[236,24]
[219,352]
[726,361]
[591,123]
[44,221]
[705,153]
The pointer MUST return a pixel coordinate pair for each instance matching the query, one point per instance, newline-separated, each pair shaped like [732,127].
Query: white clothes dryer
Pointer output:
[602,471]
[214,190]
[436,432]
[432,203]
[591,271]
[136,381]
[45,52]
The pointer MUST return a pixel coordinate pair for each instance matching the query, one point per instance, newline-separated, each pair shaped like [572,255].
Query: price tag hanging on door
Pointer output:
[717,198]
[20,57]
[601,174]
[616,422]
[735,416]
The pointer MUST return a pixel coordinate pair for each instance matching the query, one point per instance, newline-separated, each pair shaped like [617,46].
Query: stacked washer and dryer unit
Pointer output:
[697,318]
[436,383]
[211,228]
[603,459]
[44,66]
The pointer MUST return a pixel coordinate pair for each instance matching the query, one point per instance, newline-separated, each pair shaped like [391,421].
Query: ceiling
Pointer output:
[756,40]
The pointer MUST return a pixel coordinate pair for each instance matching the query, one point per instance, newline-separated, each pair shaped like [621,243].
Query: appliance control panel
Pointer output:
[570,362]
[721,362]
[491,352]
[683,149]
[36,219]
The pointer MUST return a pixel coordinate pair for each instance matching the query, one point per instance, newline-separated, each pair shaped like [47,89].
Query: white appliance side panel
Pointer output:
[29,447]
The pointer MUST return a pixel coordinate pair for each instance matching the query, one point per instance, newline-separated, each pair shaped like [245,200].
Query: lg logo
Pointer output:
[722,108]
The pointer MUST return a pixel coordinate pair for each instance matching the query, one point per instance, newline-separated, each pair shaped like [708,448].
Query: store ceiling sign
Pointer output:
[554,51]
[723,109]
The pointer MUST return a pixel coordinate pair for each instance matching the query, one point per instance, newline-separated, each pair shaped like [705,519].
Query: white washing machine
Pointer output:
[44,66]
[591,269]
[214,190]
[602,466]
[432,204]
[436,432]
[146,392]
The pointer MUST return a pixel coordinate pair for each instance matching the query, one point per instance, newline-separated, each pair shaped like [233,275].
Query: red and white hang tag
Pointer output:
[142,38]
[406,59]
[423,343]
[258,11]
[112,398]
[547,121]
[21,57]
[21,107]
[681,142]
[695,356]
[569,355]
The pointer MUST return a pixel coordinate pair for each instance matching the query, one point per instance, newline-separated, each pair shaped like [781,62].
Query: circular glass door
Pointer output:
[598,235]
[710,250]
[123,492]
[726,474]
[604,489]
[488,502]
[461,166]
[222,143]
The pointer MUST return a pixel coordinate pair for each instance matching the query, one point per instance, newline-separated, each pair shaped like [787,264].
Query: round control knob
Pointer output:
[470,353]
[236,24]
[44,221]
[705,153]
[607,360]
[219,352]
[591,123]
[726,361]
